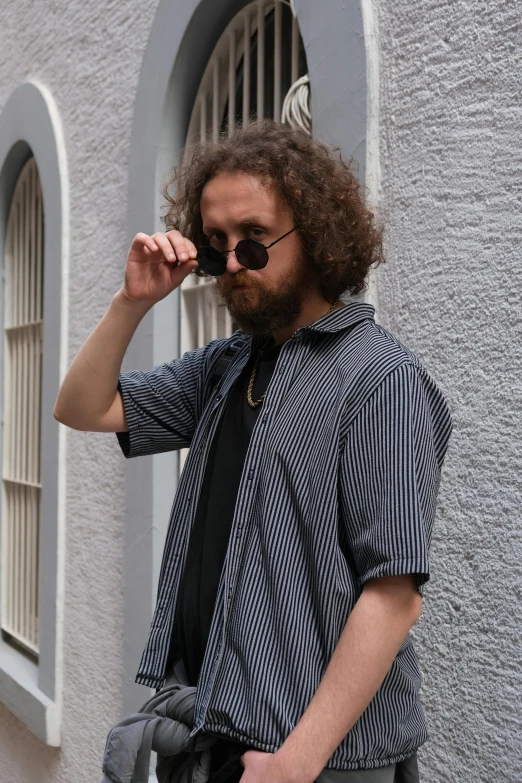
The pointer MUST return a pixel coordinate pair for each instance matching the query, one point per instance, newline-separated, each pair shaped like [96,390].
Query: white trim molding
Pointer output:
[373,160]
[30,125]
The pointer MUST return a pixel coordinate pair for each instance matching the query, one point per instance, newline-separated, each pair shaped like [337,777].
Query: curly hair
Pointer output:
[339,233]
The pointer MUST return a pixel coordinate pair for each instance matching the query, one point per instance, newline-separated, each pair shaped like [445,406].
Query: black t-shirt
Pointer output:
[211,529]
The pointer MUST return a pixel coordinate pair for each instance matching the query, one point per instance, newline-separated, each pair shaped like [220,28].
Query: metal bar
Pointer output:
[214,317]
[8,620]
[33,484]
[16,560]
[278,9]
[8,283]
[231,82]
[12,593]
[295,50]
[38,415]
[215,101]
[25,435]
[39,253]
[28,557]
[24,317]
[38,501]
[203,118]
[22,585]
[21,327]
[17,408]
[16,264]
[30,413]
[246,67]
[260,60]
[32,260]
[32,564]
[27,242]
[200,337]
[199,286]
[228,323]
[6,527]
[9,433]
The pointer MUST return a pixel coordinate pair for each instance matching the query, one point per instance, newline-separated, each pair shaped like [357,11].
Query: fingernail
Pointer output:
[171,255]
[184,256]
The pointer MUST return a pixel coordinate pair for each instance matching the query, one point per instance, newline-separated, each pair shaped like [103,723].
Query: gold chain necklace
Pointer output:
[255,403]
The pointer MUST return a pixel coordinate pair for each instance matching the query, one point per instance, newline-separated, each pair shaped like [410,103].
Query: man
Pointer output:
[299,536]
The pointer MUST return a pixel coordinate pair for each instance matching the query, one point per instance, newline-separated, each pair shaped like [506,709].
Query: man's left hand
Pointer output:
[261,767]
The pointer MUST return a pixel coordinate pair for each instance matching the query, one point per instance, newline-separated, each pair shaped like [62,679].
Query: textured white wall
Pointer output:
[450,125]
[451,148]
[89,55]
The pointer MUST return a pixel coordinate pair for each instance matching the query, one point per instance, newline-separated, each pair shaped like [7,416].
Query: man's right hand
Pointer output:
[156,265]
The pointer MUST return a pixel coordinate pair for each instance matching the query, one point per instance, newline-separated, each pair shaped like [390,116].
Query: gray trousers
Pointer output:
[406,771]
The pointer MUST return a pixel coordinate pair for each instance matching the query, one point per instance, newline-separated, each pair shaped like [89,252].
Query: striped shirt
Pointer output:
[339,486]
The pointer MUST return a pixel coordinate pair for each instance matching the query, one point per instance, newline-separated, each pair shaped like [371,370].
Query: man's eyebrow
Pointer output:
[248,223]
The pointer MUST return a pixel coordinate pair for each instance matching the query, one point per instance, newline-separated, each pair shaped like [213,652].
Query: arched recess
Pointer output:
[30,125]
[182,37]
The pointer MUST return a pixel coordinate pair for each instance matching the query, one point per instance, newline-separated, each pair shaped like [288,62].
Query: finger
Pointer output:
[144,240]
[192,249]
[164,246]
[180,245]
[184,269]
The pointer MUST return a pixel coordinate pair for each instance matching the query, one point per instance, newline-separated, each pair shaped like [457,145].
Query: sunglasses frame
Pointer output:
[224,253]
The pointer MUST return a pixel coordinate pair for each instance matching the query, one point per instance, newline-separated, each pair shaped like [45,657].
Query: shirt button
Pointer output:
[219,397]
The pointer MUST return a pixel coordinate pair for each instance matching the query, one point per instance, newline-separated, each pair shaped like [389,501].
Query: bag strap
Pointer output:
[224,361]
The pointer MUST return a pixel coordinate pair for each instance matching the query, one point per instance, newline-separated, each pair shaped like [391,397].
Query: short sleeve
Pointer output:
[390,474]
[161,404]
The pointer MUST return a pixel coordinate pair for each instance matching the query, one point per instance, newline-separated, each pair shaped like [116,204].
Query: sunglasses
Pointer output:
[249,253]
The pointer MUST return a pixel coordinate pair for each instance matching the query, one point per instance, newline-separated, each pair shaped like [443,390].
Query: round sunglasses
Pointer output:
[249,253]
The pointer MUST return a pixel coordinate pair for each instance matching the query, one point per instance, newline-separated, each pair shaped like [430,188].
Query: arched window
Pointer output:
[33,289]
[257,70]
[21,477]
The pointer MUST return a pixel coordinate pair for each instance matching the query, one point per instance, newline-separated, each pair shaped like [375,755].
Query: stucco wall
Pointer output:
[450,125]
[451,150]
[89,55]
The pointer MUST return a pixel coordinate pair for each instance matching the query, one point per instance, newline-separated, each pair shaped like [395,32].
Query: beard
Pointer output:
[262,311]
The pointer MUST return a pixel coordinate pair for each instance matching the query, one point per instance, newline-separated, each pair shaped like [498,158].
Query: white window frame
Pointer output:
[30,125]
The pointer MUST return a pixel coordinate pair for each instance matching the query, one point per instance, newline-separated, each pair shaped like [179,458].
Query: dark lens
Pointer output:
[251,254]
[211,260]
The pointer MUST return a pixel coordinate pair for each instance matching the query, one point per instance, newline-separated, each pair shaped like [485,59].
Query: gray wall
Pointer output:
[89,56]
[451,148]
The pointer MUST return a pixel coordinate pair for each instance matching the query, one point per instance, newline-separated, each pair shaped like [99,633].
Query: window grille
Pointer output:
[256,62]
[21,477]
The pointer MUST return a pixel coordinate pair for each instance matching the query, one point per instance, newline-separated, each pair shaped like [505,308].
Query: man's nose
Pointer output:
[233,264]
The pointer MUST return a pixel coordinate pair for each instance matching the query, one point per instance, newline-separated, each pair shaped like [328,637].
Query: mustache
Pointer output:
[235,283]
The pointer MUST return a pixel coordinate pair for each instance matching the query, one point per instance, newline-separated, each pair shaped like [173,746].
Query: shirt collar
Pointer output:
[342,318]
